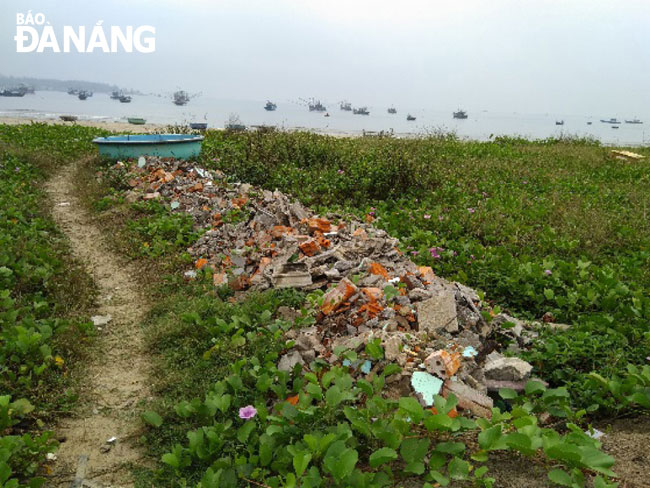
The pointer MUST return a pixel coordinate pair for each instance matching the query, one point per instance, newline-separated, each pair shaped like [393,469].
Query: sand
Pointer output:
[102,124]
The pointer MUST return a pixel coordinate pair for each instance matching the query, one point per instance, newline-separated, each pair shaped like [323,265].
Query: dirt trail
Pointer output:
[116,379]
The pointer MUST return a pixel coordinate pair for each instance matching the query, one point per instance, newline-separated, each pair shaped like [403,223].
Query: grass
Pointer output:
[45,300]
[503,212]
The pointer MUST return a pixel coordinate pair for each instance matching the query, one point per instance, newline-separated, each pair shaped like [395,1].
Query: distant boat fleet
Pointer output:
[315,105]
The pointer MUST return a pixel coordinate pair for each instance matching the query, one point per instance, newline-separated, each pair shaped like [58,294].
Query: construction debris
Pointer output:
[258,239]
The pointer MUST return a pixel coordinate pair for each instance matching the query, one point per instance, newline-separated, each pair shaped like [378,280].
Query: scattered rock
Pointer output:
[289,361]
[100,320]
[508,369]
[438,312]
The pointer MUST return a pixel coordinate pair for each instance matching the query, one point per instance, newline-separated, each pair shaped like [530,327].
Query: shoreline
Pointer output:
[150,127]
[111,125]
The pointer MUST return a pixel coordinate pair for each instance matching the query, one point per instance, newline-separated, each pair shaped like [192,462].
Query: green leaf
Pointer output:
[412,407]
[452,448]
[333,396]
[458,469]
[438,422]
[507,393]
[300,462]
[245,430]
[416,467]
[413,449]
[439,478]
[560,477]
[381,456]
[152,418]
[171,459]
[374,349]
[340,460]
[532,387]
[489,437]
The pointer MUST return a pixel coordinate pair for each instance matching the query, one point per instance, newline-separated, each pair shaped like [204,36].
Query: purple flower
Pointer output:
[414,253]
[247,412]
[548,272]
[471,210]
[435,252]
[341,171]
[427,216]
[371,214]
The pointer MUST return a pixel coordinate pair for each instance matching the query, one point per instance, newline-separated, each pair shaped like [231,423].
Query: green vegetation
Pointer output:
[44,296]
[555,226]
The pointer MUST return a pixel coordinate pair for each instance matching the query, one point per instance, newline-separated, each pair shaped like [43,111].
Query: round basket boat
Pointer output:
[179,146]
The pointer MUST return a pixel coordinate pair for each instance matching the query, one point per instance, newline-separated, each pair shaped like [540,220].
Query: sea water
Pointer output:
[480,125]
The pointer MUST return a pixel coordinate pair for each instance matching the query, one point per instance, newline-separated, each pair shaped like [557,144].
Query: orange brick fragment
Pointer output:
[453,413]
[372,309]
[219,279]
[334,298]
[442,363]
[310,247]
[239,202]
[197,187]
[317,224]
[293,400]
[427,274]
[360,232]
[377,269]
[279,230]
[373,294]
[200,263]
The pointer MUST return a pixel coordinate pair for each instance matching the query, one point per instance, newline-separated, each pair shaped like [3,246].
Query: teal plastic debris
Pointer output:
[426,386]
[469,352]
[366,367]
[175,205]
[141,162]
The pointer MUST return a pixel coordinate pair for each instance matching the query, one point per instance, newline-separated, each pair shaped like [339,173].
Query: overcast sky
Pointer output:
[535,56]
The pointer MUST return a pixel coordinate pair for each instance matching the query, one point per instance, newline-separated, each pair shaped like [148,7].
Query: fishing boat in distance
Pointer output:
[270,106]
[13,92]
[115,95]
[615,126]
[316,106]
[125,99]
[346,106]
[83,95]
[634,121]
[198,125]
[181,97]
[559,122]
[610,121]
[136,120]
[410,117]
[361,111]
[392,110]
[73,91]
[460,114]
[68,118]
[589,123]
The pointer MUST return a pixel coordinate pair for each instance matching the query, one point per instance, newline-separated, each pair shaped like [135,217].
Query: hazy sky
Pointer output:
[569,56]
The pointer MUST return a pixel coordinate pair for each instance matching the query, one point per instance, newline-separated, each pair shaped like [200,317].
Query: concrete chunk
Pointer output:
[469,398]
[438,313]
[508,369]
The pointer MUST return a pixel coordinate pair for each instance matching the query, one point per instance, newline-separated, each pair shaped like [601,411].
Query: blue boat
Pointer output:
[179,146]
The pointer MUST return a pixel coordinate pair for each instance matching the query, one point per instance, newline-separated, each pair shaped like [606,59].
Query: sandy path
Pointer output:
[116,379]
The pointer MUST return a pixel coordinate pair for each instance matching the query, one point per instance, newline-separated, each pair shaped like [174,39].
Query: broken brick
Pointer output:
[442,363]
[335,297]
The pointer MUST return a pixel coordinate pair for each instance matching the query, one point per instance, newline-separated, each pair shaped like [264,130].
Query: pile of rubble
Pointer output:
[259,239]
